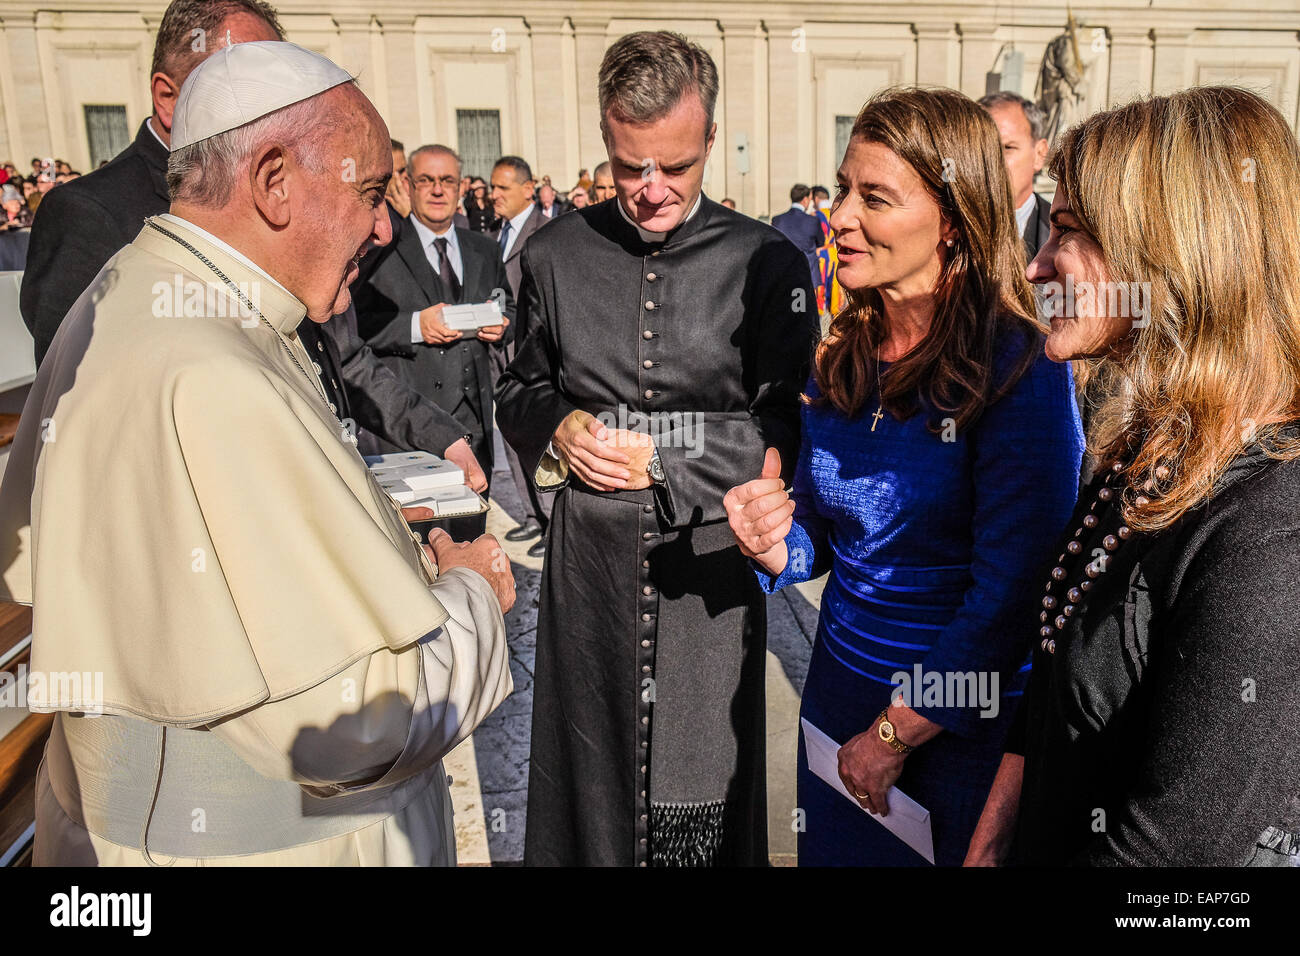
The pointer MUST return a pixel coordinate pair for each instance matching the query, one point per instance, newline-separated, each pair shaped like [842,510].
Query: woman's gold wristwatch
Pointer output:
[888,736]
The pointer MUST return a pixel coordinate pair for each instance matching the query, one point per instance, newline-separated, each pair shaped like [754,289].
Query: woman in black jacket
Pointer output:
[1161,725]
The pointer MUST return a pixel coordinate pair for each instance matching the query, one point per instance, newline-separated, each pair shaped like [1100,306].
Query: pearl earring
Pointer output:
[949,242]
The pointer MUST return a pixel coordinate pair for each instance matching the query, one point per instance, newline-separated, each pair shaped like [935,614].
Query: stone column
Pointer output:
[555,96]
[744,65]
[938,54]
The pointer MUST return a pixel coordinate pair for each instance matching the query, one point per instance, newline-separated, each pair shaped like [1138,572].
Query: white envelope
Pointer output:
[907,820]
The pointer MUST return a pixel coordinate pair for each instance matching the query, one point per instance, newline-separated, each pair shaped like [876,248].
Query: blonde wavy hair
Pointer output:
[1195,194]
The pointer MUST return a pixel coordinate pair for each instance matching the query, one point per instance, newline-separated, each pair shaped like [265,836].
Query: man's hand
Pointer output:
[761,514]
[399,195]
[584,442]
[412,515]
[433,329]
[639,448]
[462,456]
[493,333]
[483,555]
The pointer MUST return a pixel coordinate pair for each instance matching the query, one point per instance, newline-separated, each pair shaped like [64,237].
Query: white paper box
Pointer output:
[471,316]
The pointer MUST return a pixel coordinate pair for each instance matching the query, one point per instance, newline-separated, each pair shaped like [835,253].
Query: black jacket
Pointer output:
[401,282]
[1164,730]
[82,224]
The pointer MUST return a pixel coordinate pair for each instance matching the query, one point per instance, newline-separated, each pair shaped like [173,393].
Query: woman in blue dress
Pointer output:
[941,451]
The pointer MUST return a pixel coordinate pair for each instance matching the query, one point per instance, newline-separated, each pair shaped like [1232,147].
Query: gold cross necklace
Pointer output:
[879,392]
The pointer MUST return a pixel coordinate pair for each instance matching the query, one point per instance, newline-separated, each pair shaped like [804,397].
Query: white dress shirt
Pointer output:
[427,237]
[1024,212]
[516,224]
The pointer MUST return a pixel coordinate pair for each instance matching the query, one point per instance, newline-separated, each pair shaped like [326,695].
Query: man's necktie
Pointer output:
[445,270]
[505,236]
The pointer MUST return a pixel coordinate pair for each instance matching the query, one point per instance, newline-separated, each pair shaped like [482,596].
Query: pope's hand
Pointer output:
[462,456]
[433,329]
[583,440]
[483,555]
[760,513]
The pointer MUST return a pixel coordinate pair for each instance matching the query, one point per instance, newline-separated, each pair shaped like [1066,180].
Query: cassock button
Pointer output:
[647,509]
[647,334]
[645,668]
[649,393]
[316,366]
[320,346]
[646,618]
[643,768]
[649,305]
[643,818]
[645,643]
[645,720]
[646,564]
[650,277]
[647,364]
[647,590]
[334,408]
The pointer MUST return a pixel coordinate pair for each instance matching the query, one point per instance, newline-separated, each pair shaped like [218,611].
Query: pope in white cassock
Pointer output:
[277,665]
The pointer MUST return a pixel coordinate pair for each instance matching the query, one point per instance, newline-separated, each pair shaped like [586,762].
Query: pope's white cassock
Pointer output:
[279,672]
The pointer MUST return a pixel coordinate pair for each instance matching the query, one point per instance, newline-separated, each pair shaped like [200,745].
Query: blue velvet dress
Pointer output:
[935,549]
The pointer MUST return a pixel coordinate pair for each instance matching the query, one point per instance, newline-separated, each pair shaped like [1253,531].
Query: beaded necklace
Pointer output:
[1070,601]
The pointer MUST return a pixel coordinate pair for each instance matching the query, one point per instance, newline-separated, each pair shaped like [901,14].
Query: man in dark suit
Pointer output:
[400,304]
[801,228]
[1020,126]
[519,218]
[83,223]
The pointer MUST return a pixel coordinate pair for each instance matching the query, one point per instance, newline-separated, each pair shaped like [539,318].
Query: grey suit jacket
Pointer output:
[514,264]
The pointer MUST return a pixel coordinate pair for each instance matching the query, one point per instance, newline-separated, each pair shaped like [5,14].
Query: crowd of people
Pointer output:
[1046,454]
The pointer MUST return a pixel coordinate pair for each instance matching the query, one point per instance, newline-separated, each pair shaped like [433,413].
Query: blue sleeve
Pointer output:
[1025,456]
[808,542]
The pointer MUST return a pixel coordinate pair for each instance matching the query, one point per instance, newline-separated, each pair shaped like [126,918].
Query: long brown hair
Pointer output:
[953,145]
[1193,194]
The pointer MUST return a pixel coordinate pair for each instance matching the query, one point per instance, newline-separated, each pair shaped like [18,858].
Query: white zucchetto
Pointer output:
[246,81]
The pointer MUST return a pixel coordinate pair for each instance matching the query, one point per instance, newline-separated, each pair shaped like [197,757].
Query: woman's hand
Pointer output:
[869,766]
[991,841]
[761,514]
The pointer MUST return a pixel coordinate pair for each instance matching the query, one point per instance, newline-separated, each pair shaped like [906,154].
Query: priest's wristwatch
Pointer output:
[656,468]
[888,736]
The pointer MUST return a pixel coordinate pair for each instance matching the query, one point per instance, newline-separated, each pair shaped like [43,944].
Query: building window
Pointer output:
[478,138]
[106,132]
[843,128]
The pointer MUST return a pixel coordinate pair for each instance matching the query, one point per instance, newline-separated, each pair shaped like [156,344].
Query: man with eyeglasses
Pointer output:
[400,303]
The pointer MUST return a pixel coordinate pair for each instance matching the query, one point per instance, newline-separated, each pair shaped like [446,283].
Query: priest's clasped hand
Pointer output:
[761,514]
[607,459]
[483,555]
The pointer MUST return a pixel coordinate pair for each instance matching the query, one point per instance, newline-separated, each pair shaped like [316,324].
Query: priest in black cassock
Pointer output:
[667,340]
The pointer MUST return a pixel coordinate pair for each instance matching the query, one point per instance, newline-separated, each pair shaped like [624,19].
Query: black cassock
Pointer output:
[648,702]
